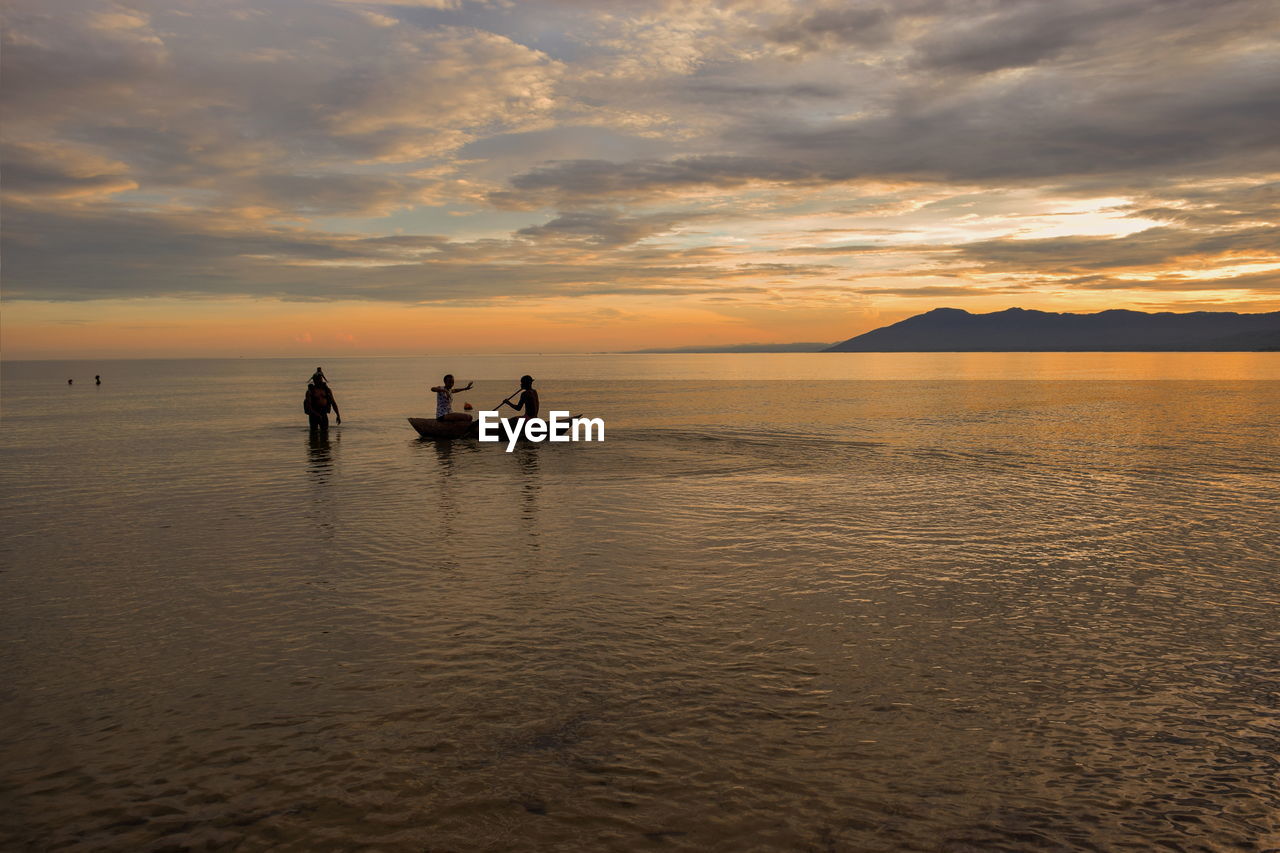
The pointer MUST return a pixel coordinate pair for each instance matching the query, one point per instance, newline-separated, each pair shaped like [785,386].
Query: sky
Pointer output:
[330,177]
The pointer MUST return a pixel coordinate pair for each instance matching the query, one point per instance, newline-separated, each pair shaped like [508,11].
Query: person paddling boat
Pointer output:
[528,403]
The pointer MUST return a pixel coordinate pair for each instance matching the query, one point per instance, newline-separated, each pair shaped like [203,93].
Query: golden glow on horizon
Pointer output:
[132,328]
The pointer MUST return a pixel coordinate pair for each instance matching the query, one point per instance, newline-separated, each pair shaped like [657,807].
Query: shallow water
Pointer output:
[1023,601]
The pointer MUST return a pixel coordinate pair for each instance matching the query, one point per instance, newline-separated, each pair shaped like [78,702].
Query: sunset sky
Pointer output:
[327,177]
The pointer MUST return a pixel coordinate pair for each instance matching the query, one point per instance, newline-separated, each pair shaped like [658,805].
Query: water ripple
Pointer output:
[1039,617]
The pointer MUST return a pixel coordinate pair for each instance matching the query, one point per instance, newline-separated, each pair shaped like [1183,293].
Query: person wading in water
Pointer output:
[317,403]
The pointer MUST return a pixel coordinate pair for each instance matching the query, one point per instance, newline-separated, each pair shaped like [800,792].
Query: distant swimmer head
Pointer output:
[526,381]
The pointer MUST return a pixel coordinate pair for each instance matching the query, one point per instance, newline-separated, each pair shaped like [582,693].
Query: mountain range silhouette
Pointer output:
[1020,330]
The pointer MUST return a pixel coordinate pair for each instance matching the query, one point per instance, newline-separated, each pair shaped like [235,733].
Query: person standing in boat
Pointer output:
[528,403]
[444,396]
[317,403]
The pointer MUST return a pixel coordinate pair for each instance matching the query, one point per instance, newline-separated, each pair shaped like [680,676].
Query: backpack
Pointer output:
[316,402]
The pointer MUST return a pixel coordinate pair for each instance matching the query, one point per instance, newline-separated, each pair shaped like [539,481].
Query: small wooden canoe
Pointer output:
[445,430]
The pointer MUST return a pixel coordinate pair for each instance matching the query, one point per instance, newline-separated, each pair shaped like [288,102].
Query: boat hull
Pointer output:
[445,430]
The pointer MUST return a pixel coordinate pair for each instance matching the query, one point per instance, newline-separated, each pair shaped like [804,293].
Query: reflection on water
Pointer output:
[445,480]
[321,508]
[526,459]
[320,458]
[934,615]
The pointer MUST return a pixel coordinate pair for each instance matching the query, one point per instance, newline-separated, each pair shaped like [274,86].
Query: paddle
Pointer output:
[508,400]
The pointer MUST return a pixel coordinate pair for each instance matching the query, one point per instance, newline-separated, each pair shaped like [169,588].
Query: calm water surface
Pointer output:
[890,602]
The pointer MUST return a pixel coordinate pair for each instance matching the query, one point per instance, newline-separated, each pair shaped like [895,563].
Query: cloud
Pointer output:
[466,152]
[1222,120]
[1241,306]
[862,249]
[353,194]
[1021,34]
[941,291]
[1201,207]
[831,26]
[423,4]
[109,252]
[1153,247]
[602,227]
[578,180]
[60,172]
[1261,282]
[262,109]
[429,93]
[1092,102]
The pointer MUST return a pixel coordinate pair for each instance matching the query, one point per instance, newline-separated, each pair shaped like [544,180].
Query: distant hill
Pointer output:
[798,347]
[1018,330]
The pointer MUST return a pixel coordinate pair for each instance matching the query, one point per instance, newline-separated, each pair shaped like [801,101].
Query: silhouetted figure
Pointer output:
[317,403]
[97,380]
[69,381]
[528,403]
[318,376]
[444,395]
